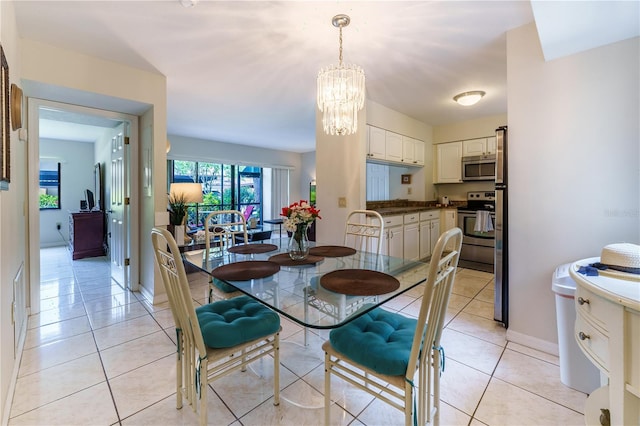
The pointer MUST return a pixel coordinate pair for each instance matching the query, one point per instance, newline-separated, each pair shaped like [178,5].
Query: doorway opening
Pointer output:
[86,143]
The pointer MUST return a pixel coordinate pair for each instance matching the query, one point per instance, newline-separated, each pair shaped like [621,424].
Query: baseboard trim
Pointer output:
[532,342]
[16,368]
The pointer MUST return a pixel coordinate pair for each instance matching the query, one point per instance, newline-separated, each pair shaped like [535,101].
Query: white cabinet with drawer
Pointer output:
[429,232]
[607,330]
[412,236]
[393,244]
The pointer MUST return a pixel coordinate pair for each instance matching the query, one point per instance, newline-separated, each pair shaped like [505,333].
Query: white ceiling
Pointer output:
[245,72]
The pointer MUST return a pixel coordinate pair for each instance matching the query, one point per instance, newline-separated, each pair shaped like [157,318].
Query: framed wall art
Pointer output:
[5,130]
[406,179]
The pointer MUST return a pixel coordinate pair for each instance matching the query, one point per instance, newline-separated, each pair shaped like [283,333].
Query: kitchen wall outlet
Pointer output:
[342,202]
[409,190]
[58,225]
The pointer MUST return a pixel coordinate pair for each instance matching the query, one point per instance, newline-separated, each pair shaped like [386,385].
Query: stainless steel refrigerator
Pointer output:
[501,268]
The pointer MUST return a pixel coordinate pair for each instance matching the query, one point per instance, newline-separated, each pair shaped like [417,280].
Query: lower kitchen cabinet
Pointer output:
[448,220]
[429,232]
[393,244]
[412,236]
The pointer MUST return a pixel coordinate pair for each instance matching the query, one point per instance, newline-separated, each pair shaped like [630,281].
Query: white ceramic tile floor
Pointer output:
[97,354]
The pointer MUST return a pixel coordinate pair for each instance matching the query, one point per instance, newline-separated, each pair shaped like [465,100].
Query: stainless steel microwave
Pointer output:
[479,167]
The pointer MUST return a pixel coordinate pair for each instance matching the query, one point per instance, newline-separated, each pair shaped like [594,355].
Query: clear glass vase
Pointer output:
[299,243]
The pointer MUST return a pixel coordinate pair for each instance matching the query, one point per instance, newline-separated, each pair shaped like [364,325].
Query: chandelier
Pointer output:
[340,92]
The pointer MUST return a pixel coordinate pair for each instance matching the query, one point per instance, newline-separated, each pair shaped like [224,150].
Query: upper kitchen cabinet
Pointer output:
[412,151]
[384,146]
[394,146]
[448,167]
[376,143]
[481,146]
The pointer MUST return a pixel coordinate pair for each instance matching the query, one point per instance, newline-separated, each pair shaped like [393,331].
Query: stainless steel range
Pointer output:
[478,242]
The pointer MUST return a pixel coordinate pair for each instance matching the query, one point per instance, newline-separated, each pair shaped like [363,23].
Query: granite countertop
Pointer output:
[390,211]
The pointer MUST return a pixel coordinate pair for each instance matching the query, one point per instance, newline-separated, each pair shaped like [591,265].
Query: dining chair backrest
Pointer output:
[364,230]
[176,285]
[435,299]
[222,227]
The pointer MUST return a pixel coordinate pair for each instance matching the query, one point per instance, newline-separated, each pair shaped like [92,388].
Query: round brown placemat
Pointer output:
[359,282]
[252,248]
[243,271]
[332,251]
[284,259]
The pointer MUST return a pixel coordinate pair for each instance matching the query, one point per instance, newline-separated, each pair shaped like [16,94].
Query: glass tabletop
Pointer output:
[297,292]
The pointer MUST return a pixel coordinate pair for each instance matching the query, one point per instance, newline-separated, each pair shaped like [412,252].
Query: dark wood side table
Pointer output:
[86,234]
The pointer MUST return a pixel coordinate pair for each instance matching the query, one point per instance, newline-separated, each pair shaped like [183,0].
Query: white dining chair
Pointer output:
[364,230]
[223,229]
[216,339]
[383,352]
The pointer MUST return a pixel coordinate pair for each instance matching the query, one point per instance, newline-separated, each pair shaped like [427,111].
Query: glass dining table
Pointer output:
[322,292]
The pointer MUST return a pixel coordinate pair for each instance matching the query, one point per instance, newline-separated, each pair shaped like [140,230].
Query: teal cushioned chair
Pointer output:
[383,348]
[217,339]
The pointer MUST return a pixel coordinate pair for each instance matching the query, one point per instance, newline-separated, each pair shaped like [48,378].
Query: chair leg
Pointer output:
[408,404]
[276,369]
[204,386]
[179,367]
[327,389]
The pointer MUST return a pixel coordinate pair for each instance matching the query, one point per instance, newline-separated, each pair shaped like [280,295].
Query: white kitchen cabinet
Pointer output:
[393,146]
[480,146]
[448,220]
[412,236]
[429,232]
[448,167]
[393,244]
[412,151]
[376,143]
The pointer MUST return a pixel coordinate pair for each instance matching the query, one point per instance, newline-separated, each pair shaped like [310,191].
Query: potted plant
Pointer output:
[177,211]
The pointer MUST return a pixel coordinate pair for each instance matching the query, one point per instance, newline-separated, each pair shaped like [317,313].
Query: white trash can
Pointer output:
[576,371]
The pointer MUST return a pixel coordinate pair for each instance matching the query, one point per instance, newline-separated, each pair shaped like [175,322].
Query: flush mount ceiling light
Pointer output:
[340,91]
[188,3]
[469,98]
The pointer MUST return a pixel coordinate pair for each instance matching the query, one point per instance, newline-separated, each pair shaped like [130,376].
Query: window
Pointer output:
[224,187]
[49,185]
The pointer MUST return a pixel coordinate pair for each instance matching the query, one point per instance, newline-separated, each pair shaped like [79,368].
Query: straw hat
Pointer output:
[623,257]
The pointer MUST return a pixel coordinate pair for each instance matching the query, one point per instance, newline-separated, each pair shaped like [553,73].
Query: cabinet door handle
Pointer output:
[582,301]
[583,336]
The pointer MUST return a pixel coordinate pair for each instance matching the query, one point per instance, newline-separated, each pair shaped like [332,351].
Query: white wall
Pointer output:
[13,246]
[76,175]
[573,168]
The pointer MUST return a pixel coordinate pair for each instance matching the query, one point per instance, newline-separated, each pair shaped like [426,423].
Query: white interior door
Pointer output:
[119,207]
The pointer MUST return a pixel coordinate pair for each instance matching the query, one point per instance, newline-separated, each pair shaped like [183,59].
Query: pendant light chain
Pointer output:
[340,56]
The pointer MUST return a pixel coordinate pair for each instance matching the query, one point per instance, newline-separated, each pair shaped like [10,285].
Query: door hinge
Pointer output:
[126,140]
[127,261]
[127,200]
